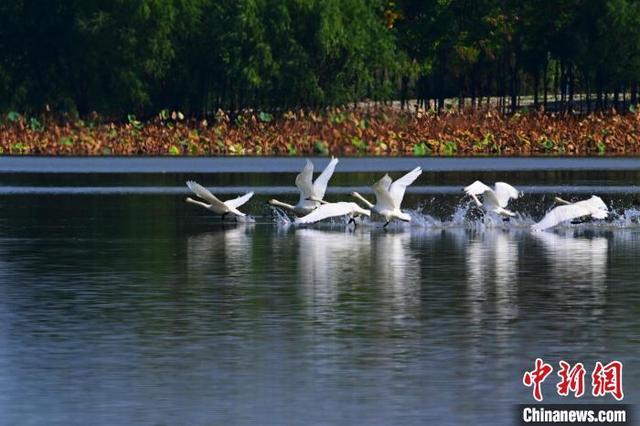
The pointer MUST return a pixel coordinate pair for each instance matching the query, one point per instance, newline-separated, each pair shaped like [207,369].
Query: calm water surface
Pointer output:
[119,303]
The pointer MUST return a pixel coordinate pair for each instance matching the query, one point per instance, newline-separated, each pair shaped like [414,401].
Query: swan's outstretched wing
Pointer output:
[304,180]
[476,188]
[599,214]
[479,188]
[599,209]
[504,192]
[564,213]
[237,202]
[490,200]
[325,211]
[320,185]
[381,189]
[398,187]
[202,192]
[597,203]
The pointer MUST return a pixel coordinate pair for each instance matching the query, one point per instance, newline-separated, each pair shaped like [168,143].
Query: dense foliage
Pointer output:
[196,56]
[340,132]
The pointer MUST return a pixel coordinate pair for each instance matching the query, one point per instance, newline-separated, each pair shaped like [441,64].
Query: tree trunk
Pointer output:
[588,90]
[536,78]
[503,85]
[514,87]
[545,84]
[599,98]
[556,85]
[570,86]
[474,88]
[404,90]
[563,86]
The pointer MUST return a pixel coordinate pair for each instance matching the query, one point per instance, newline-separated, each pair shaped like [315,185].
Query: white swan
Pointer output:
[327,210]
[311,193]
[217,206]
[594,207]
[494,200]
[389,196]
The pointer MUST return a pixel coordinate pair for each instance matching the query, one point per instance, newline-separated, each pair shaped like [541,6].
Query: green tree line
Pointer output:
[123,56]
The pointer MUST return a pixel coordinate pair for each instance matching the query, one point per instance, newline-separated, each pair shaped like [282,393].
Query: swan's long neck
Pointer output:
[504,212]
[361,198]
[478,203]
[198,203]
[281,204]
[561,201]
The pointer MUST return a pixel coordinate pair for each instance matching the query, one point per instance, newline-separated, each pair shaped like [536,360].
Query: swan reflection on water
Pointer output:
[581,261]
[357,266]
[328,259]
[492,258]
[397,270]
[383,269]
[229,247]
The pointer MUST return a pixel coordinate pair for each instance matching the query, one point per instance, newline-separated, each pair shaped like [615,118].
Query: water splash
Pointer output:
[280,218]
[422,220]
[626,218]
[466,215]
[246,219]
[459,216]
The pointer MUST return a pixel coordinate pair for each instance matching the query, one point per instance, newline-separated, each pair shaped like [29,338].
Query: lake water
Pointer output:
[120,303]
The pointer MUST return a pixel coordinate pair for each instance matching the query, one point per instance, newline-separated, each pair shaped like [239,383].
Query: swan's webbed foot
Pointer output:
[386,224]
[223,216]
[352,220]
[506,219]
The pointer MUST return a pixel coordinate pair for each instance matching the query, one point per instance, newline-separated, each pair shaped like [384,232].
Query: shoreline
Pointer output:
[383,132]
[207,165]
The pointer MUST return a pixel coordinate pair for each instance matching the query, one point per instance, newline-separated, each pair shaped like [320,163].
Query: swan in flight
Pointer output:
[217,206]
[389,196]
[494,200]
[327,210]
[594,207]
[311,193]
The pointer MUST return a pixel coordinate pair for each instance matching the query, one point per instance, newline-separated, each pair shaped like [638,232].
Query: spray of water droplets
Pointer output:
[466,216]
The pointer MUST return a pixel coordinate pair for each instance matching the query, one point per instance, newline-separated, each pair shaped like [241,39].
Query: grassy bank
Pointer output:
[379,132]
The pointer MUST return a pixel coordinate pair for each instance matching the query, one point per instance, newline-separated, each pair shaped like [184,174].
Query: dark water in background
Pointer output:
[121,304]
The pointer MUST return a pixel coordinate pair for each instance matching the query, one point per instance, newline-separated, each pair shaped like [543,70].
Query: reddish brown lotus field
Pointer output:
[377,132]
